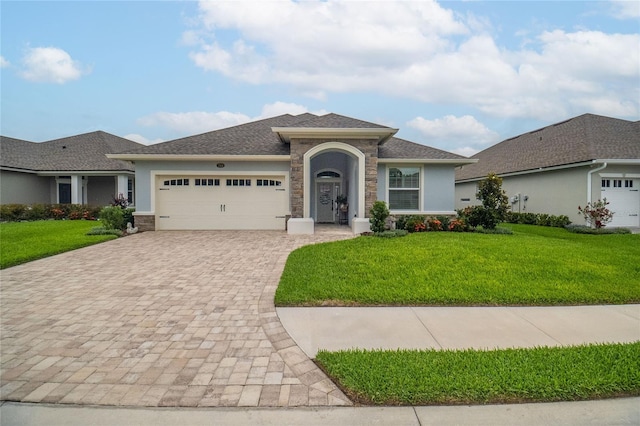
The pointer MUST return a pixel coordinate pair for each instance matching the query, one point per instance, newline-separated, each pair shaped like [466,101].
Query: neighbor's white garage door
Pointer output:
[221,202]
[624,198]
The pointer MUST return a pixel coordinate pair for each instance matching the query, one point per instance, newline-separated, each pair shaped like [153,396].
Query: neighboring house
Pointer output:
[286,172]
[68,170]
[557,168]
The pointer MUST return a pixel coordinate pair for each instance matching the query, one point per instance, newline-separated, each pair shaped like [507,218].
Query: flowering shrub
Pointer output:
[596,213]
[457,225]
[420,227]
[57,213]
[434,225]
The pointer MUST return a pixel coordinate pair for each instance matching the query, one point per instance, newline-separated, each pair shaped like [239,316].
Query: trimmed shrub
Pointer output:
[458,225]
[378,216]
[391,233]
[128,216]
[434,225]
[583,229]
[12,212]
[103,231]
[112,217]
[414,223]
[540,219]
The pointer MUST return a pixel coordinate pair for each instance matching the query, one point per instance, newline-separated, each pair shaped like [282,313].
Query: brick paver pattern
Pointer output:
[158,319]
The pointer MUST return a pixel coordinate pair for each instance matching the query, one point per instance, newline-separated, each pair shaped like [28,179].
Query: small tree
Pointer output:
[596,213]
[378,216]
[494,201]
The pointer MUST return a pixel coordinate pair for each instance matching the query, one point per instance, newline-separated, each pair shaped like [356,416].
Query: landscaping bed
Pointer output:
[533,266]
[434,377]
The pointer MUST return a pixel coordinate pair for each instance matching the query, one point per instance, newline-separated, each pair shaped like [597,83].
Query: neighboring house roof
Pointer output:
[581,139]
[86,152]
[259,138]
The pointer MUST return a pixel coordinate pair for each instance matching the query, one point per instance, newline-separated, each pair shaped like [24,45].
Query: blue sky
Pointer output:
[455,75]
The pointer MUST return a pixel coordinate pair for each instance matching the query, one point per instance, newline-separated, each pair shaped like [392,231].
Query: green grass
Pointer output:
[533,266]
[22,242]
[410,377]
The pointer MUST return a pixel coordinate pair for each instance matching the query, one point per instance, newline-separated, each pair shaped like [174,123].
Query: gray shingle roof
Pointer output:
[336,121]
[400,148]
[254,138]
[84,152]
[257,138]
[583,138]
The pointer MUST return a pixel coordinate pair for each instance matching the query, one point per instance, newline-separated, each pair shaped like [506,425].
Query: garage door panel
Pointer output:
[624,202]
[240,205]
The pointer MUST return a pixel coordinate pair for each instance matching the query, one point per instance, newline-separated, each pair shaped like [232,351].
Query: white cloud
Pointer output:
[51,65]
[625,9]
[195,122]
[463,135]
[417,50]
[3,62]
[141,139]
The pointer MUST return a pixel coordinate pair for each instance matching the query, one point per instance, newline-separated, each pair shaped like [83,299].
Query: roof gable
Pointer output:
[580,139]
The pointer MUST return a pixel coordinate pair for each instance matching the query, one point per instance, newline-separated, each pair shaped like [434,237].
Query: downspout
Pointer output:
[589,180]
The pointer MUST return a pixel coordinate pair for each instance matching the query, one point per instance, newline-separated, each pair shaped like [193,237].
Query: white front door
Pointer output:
[326,193]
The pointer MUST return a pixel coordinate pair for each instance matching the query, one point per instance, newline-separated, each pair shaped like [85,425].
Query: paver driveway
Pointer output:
[157,319]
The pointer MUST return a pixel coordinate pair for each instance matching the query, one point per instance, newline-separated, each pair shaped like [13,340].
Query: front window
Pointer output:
[404,188]
[130,191]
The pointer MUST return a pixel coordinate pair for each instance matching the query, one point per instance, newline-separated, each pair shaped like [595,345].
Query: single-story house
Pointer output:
[555,169]
[287,172]
[69,170]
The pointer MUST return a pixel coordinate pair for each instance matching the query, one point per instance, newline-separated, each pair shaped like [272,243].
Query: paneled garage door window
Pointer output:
[268,182]
[176,182]
[238,182]
[207,182]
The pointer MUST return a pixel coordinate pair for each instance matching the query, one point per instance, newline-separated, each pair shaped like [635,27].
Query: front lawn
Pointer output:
[21,242]
[411,377]
[533,266]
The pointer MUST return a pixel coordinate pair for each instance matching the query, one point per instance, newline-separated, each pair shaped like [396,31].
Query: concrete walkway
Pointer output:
[458,328]
[623,411]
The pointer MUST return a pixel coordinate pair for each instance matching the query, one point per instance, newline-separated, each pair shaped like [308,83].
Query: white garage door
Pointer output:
[221,202]
[624,198]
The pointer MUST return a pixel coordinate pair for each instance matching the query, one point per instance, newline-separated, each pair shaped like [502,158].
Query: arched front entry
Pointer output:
[344,159]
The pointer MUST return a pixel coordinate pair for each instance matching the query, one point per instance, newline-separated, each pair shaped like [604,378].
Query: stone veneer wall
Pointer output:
[300,146]
[145,222]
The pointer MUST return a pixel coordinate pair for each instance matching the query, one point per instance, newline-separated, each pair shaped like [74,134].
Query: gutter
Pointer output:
[589,178]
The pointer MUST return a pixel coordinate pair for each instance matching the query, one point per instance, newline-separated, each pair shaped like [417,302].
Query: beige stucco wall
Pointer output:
[558,192]
[24,188]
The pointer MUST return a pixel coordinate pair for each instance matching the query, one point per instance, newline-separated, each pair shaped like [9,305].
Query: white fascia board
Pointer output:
[622,161]
[13,169]
[86,172]
[286,133]
[531,171]
[197,157]
[457,162]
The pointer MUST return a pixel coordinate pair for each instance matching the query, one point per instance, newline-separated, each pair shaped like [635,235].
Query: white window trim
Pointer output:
[420,168]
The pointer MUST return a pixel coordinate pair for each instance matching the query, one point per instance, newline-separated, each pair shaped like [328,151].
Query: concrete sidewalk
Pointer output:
[624,411]
[458,327]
